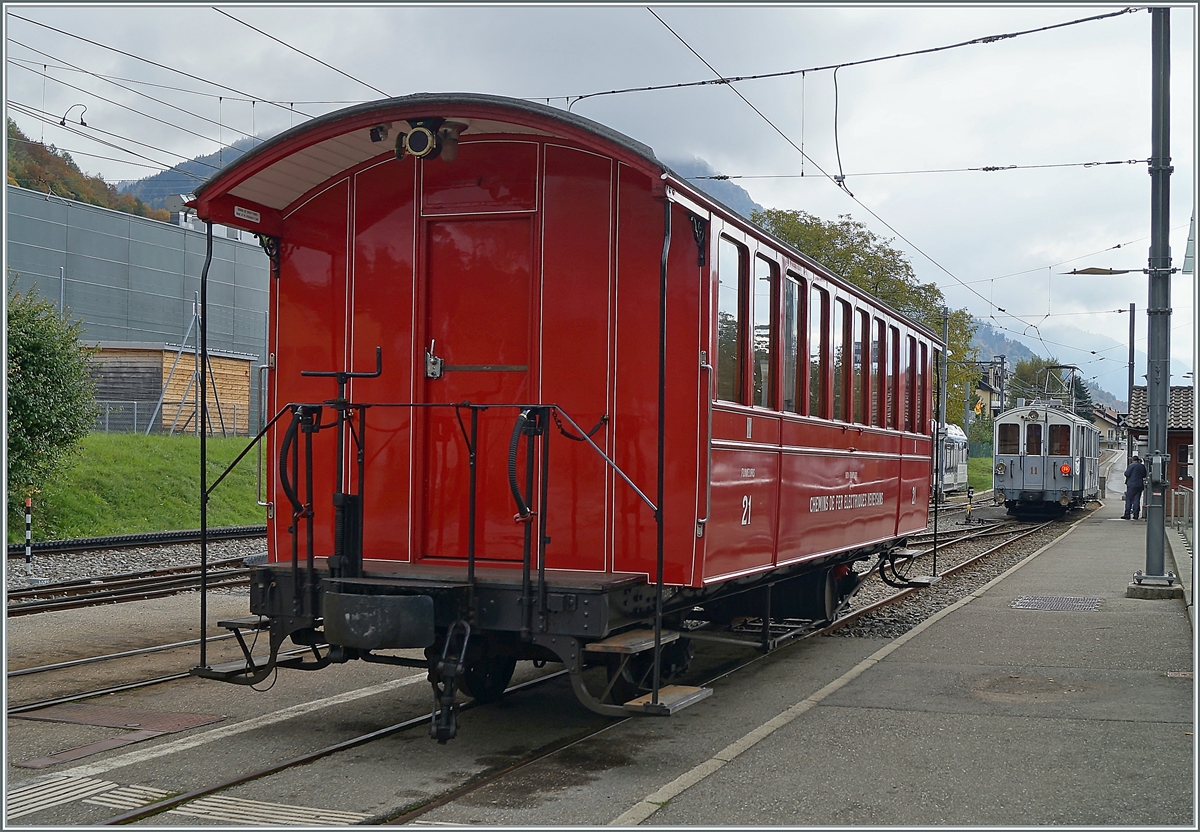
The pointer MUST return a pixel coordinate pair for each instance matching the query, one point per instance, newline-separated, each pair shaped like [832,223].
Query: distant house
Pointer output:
[989,395]
[1108,421]
[1181,437]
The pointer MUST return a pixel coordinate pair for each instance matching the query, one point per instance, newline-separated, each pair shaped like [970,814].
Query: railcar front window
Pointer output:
[818,342]
[764,334]
[923,391]
[1033,439]
[790,345]
[1060,440]
[731,310]
[1009,440]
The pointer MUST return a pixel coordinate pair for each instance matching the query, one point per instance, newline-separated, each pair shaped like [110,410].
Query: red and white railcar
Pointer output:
[483,307]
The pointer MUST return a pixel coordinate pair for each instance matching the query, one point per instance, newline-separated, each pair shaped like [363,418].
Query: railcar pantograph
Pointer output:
[537,398]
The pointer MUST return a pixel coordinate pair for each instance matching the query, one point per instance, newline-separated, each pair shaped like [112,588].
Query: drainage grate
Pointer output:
[1056,602]
[86,713]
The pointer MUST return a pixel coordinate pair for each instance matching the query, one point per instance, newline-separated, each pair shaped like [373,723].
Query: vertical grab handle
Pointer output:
[700,522]
[262,409]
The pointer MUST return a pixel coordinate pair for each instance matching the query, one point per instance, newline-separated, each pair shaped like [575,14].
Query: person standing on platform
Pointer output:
[1135,482]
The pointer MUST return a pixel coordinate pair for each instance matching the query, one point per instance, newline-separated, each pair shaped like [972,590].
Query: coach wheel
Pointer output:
[487,677]
[816,599]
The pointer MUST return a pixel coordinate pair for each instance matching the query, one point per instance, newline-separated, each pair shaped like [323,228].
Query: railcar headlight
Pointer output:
[1065,469]
[1000,469]
[421,142]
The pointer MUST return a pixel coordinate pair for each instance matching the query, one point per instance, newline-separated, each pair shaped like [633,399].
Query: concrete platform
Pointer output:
[985,715]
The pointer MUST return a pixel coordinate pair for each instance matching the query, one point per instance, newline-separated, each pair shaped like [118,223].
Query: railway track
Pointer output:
[127,541]
[134,586]
[961,566]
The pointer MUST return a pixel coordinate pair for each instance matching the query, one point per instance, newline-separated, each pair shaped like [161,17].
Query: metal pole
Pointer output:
[945,383]
[196,356]
[1129,407]
[1003,373]
[202,416]
[1158,372]
[62,291]
[28,532]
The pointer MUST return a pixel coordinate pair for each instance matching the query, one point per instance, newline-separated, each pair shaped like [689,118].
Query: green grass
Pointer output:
[127,483]
[979,473]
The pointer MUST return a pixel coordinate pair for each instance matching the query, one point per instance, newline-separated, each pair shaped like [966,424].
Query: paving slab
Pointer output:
[987,715]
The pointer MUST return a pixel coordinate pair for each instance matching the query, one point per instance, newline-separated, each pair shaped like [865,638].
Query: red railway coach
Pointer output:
[537,398]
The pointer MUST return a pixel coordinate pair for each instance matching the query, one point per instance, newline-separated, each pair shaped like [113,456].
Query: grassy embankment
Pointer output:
[979,473]
[128,483]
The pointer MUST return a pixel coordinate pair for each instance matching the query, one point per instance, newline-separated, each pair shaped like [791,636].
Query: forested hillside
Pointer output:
[49,170]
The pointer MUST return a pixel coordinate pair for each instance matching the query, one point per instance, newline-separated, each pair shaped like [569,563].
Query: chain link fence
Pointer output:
[170,418]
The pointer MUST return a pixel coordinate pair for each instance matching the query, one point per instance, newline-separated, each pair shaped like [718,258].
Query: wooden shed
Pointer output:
[142,382]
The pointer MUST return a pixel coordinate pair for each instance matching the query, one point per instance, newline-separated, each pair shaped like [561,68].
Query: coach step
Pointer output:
[230,671]
[671,698]
[633,641]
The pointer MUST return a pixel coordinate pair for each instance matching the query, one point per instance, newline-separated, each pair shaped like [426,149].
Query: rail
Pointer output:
[128,541]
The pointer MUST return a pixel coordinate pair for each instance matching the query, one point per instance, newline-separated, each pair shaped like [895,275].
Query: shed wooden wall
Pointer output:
[140,375]
[229,406]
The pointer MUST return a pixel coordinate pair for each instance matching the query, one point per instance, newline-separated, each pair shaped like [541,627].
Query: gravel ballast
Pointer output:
[73,566]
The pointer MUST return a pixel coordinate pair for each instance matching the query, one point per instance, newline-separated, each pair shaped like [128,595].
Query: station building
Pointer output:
[1181,438]
[134,282]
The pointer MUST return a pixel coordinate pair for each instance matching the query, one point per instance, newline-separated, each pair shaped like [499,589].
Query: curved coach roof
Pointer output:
[255,191]
[276,173]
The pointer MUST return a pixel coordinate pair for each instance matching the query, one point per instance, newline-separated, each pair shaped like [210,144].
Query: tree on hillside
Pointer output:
[35,166]
[1044,378]
[854,252]
[51,399]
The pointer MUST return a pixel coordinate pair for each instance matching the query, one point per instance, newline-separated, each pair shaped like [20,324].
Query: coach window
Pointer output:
[879,375]
[841,360]
[1060,440]
[895,359]
[923,420]
[1033,439]
[731,320]
[766,275]
[790,343]
[862,337]
[1009,440]
[818,351]
[910,384]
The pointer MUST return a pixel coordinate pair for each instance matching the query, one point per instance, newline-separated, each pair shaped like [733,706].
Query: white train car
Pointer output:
[955,451]
[1046,459]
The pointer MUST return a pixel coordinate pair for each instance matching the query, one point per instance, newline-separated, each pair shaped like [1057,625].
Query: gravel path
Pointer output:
[94,564]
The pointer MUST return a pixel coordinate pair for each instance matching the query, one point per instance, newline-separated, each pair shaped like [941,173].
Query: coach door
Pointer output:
[1034,460]
[478,348]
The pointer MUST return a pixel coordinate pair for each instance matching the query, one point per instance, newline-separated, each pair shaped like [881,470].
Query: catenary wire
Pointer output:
[161,66]
[49,119]
[180,89]
[74,152]
[122,86]
[833,179]
[147,115]
[572,100]
[985,169]
[302,52]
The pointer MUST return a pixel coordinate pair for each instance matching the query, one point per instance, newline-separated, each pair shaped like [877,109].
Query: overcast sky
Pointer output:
[1046,102]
